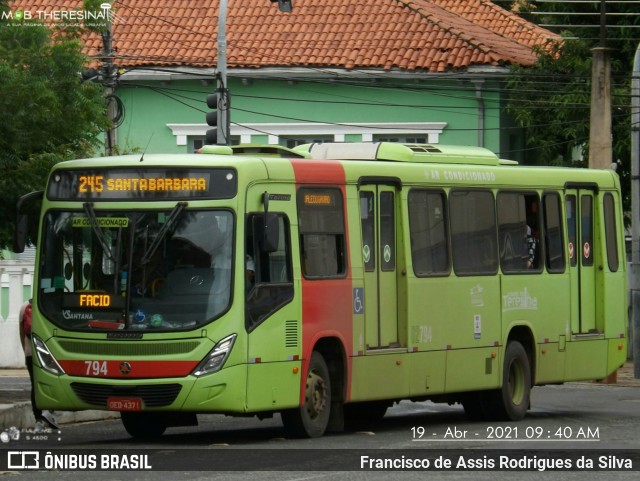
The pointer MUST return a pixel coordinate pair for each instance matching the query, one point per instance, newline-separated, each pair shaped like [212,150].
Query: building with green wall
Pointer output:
[168,113]
[339,70]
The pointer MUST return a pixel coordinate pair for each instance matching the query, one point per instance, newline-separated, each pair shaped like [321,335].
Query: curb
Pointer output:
[20,416]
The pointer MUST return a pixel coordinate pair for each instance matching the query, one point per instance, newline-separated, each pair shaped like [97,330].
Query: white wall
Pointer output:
[14,275]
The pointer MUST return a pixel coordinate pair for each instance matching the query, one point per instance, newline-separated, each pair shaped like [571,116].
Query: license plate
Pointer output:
[124,404]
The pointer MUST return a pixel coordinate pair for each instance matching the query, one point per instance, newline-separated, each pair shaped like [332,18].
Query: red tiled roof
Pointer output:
[434,36]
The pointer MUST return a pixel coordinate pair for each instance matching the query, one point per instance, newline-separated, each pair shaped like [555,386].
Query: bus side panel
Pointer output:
[380,376]
[615,316]
[473,369]
[273,385]
[550,362]
[453,313]
[539,301]
[586,359]
[274,367]
[614,300]
[396,375]
[427,373]
[472,333]
[617,354]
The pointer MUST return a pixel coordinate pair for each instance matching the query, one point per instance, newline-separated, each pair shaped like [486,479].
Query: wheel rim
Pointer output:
[315,395]
[516,382]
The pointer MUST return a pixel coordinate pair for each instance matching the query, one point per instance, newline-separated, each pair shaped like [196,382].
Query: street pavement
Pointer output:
[15,405]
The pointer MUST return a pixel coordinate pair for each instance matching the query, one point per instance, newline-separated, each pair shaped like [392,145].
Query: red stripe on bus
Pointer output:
[128,369]
[327,303]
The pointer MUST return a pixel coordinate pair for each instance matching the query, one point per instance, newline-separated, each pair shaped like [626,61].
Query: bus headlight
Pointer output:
[217,357]
[45,358]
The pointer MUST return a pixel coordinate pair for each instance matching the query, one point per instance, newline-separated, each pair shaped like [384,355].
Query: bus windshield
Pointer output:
[160,270]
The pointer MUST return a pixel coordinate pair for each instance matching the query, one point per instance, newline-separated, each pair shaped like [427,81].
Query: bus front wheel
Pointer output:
[311,419]
[143,425]
[511,401]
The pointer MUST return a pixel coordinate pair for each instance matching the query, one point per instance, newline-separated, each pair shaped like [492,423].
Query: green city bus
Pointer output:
[323,283]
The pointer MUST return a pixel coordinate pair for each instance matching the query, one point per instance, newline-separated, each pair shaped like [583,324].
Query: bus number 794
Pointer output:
[96,368]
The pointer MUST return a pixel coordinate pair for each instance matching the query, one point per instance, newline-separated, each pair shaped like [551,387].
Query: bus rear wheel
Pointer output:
[143,425]
[364,414]
[311,419]
[511,401]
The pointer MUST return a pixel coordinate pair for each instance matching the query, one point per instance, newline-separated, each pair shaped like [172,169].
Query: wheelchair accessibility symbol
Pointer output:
[358,300]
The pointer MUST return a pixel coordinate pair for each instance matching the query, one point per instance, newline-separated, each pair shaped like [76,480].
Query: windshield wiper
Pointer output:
[91,214]
[162,232]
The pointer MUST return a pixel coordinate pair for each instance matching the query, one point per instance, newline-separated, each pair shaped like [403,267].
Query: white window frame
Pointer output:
[431,130]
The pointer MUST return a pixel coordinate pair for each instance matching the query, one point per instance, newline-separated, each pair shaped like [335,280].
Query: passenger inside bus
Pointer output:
[532,232]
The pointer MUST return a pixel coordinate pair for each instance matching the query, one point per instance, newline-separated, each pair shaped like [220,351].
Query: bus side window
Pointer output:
[270,285]
[322,232]
[611,232]
[554,243]
[473,232]
[429,234]
[518,228]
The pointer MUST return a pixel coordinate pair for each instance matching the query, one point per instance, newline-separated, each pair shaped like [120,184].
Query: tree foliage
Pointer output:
[551,100]
[47,113]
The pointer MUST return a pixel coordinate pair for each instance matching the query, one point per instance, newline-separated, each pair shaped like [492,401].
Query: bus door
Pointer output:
[378,218]
[580,226]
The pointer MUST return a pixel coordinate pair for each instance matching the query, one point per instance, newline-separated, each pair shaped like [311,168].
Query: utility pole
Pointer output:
[600,144]
[634,279]
[109,82]
[224,124]
[220,101]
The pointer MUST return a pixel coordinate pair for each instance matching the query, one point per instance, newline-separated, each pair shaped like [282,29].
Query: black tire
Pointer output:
[474,404]
[511,401]
[311,419]
[143,425]
[364,414]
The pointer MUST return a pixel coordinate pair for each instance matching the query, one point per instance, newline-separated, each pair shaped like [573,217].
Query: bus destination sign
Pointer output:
[174,183]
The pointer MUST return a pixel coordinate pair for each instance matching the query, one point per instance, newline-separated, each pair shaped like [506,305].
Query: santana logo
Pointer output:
[77,316]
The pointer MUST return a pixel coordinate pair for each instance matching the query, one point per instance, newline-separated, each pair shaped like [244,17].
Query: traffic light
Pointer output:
[218,118]
[211,137]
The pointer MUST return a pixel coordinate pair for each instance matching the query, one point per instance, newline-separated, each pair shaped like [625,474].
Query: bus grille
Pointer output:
[152,396]
[128,348]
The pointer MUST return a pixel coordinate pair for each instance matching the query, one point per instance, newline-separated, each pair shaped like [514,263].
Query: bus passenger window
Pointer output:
[428,230]
[610,232]
[553,238]
[473,232]
[367,221]
[572,228]
[518,228]
[322,232]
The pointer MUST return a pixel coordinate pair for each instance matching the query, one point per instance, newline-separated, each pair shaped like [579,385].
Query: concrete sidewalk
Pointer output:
[15,405]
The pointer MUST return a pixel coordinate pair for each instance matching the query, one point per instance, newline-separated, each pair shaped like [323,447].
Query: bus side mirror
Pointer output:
[20,234]
[271,238]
